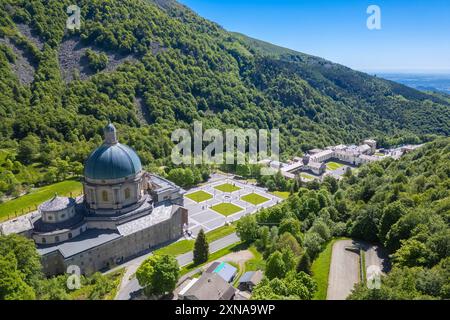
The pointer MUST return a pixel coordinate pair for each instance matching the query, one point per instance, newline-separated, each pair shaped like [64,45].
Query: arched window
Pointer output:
[105,196]
[127,193]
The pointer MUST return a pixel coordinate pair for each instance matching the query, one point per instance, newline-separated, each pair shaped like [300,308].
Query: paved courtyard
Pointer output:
[202,216]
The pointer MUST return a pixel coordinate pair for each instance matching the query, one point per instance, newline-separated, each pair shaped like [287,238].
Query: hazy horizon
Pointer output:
[403,71]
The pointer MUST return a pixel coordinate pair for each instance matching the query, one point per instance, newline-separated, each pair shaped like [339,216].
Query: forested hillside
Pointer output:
[153,66]
[402,204]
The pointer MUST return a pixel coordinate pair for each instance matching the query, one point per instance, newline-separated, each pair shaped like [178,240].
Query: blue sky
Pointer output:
[414,35]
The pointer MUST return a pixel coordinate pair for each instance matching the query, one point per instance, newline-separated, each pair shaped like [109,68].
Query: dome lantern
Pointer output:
[110,134]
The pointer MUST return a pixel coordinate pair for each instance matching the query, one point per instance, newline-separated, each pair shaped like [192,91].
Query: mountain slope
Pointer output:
[156,66]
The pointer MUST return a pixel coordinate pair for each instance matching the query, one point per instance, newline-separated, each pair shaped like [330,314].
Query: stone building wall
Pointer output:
[116,251]
[59,236]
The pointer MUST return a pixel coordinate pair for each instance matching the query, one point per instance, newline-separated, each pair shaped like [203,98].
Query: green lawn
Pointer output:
[281,194]
[320,270]
[221,232]
[185,246]
[227,187]
[176,248]
[307,176]
[199,196]
[334,165]
[214,256]
[254,198]
[29,202]
[226,209]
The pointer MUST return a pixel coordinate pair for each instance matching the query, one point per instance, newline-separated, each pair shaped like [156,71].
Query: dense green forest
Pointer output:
[404,205]
[153,66]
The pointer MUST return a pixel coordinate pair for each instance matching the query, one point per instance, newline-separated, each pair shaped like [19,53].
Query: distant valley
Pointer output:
[423,82]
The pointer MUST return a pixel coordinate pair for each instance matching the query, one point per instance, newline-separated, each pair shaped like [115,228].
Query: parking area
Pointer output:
[201,214]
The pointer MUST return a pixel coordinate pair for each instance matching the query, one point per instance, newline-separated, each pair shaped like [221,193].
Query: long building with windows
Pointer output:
[315,160]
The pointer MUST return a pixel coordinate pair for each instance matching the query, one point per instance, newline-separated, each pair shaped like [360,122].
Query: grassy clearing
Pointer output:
[227,187]
[184,246]
[254,198]
[281,194]
[334,165]
[255,263]
[226,209]
[29,202]
[199,196]
[321,269]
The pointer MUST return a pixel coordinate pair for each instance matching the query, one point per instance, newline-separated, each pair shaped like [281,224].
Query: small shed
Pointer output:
[250,279]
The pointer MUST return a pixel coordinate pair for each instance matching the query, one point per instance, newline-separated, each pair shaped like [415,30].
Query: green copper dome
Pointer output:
[112,160]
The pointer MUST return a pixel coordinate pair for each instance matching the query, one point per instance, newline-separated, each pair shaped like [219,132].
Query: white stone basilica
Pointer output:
[124,212]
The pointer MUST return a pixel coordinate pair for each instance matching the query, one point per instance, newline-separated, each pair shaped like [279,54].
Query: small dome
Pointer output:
[112,160]
[57,204]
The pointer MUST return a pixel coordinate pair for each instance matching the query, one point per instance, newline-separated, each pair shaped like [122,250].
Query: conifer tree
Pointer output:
[201,248]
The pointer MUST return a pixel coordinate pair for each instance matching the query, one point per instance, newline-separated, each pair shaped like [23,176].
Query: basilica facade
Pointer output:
[124,212]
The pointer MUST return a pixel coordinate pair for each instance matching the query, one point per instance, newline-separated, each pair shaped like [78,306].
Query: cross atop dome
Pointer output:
[110,134]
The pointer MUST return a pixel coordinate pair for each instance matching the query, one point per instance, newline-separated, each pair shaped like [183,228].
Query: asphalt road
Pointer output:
[345,266]
[344,271]
[132,287]
[377,256]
